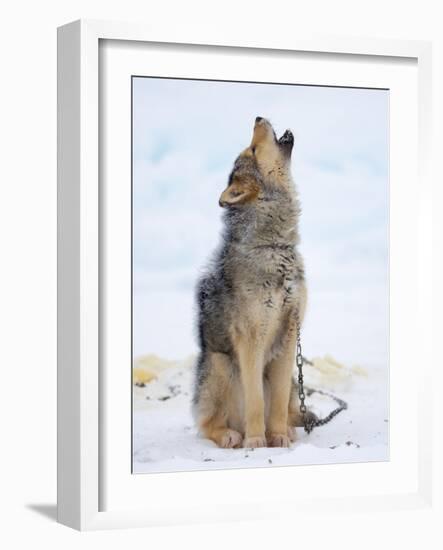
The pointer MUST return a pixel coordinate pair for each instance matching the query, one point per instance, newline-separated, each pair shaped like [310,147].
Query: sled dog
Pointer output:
[249,302]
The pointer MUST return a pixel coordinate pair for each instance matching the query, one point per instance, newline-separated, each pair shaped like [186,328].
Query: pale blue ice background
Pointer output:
[186,137]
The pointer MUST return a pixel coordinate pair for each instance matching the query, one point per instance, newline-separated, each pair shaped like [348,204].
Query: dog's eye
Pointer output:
[253,150]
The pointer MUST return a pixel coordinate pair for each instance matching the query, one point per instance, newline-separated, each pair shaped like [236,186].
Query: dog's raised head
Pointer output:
[265,162]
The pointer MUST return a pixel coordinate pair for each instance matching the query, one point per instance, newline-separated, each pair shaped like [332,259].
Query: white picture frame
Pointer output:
[80,444]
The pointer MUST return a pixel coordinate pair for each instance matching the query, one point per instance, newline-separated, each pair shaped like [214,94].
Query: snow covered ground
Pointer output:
[165,438]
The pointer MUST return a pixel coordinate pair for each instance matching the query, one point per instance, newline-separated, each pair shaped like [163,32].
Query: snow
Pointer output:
[165,438]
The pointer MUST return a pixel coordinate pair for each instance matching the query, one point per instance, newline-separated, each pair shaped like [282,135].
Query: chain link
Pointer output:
[310,421]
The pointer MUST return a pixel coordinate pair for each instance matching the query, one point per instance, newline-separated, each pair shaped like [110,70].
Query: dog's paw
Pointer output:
[230,439]
[254,442]
[279,440]
[292,434]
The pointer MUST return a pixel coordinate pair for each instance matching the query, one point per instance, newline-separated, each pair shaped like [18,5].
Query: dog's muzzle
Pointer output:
[287,138]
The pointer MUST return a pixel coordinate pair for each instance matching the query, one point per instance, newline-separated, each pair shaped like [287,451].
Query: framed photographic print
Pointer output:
[337,257]
[243,253]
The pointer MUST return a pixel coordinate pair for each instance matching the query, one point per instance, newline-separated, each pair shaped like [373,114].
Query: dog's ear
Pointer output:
[238,193]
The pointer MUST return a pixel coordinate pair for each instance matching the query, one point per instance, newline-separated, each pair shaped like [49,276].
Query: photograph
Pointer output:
[260,274]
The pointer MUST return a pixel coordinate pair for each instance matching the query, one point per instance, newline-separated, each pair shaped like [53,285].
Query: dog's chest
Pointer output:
[274,270]
[265,294]
[269,298]
[268,315]
[266,281]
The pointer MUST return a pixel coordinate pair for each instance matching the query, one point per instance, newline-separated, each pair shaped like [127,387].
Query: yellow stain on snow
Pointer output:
[147,368]
[327,370]
[141,376]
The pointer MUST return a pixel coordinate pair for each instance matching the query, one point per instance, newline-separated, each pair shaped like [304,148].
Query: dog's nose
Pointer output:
[258,119]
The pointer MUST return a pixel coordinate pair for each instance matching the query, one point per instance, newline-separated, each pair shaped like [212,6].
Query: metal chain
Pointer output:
[310,421]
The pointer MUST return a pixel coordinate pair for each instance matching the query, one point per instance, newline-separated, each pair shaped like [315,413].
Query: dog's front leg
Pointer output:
[279,373]
[250,357]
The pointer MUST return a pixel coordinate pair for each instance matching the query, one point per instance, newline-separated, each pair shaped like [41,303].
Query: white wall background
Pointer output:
[28,273]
